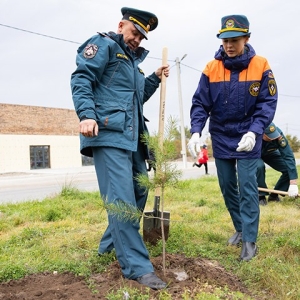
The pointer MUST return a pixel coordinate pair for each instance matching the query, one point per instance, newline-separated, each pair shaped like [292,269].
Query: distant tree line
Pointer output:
[293,142]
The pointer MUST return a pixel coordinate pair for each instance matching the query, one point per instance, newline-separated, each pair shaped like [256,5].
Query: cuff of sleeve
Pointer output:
[155,78]
[87,116]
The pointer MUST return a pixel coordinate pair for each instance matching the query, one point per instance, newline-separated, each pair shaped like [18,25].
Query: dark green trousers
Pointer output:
[115,178]
[275,161]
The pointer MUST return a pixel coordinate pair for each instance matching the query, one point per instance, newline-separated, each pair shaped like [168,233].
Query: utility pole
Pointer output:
[183,141]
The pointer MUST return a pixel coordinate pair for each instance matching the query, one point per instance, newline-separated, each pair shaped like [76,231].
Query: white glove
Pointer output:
[193,143]
[293,190]
[247,142]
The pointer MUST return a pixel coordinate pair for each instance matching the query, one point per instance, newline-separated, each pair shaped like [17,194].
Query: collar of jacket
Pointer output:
[237,63]
[140,53]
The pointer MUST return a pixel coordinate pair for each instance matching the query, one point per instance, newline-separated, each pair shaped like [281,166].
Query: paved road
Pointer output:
[39,184]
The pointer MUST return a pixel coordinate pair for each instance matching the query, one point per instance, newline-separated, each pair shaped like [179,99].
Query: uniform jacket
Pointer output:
[239,95]
[109,87]
[203,156]
[281,145]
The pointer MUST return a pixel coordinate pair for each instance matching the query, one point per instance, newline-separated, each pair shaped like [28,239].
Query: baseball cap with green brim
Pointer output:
[271,132]
[143,21]
[234,26]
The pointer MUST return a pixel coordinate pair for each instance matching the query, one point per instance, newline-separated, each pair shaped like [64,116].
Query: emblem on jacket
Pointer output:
[282,142]
[272,87]
[90,51]
[121,55]
[254,89]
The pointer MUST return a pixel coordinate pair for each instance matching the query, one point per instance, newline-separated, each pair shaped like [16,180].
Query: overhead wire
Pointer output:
[74,42]
[36,33]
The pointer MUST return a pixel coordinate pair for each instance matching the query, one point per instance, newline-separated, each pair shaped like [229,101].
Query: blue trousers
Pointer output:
[141,195]
[277,162]
[114,169]
[237,180]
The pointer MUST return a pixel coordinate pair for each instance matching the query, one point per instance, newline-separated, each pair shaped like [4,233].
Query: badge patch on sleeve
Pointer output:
[282,142]
[254,89]
[90,51]
[272,87]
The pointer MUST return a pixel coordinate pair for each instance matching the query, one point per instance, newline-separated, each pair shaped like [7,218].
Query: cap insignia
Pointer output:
[230,27]
[229,23]
[152,21]
[272,128]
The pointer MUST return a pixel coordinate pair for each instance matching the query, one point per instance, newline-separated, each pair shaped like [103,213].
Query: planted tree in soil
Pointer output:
[156,223]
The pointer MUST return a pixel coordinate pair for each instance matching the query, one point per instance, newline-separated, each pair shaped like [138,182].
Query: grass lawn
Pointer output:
[62,234]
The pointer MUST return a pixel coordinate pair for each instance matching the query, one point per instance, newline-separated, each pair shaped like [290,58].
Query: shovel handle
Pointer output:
[274,191]
[161,123]
[156,206]
[162,100]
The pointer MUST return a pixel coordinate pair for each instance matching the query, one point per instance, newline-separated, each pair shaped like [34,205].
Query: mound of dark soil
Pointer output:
[182,274]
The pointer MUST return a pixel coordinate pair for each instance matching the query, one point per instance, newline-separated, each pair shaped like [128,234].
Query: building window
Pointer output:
[39,157]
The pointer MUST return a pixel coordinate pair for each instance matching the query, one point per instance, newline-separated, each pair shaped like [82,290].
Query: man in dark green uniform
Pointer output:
[277,153]
[109,90]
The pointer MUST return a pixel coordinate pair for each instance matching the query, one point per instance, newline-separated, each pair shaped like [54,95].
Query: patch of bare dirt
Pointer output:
[182,274]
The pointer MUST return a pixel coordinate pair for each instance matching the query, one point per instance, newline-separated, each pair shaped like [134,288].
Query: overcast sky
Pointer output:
[35,70]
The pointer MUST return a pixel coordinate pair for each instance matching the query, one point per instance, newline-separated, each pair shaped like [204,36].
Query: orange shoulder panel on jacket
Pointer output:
[216,72]
[258,65]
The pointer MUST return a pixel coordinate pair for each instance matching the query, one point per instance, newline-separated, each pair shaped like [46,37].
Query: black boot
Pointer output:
[236,239]
[274,197]
[262,200]
[249,250]
[152,281]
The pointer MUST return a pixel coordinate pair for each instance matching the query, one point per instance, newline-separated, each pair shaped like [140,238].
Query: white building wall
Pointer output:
[15,151]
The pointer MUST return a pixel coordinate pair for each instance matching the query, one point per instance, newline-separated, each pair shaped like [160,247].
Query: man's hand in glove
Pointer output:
[293,190]
[194,144]
[247,142]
